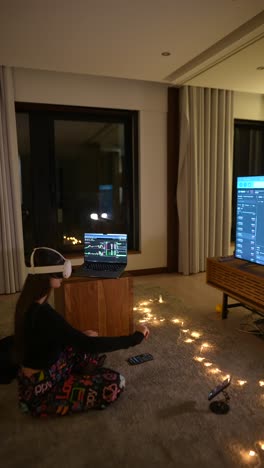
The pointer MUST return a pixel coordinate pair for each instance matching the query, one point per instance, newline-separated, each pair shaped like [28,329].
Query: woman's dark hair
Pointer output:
[35,287]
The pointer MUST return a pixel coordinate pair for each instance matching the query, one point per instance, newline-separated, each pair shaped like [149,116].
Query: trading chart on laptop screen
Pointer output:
[105,248]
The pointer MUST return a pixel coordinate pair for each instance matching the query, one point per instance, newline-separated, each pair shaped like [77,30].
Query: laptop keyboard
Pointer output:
[103,266]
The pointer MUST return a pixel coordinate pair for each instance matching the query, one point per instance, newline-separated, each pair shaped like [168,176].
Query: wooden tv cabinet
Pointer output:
[238,279]
[104,305]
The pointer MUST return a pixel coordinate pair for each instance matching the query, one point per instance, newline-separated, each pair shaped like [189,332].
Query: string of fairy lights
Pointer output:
[71,240]
[190,336]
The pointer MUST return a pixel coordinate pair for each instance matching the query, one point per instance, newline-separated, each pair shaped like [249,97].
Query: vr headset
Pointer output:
[65,269]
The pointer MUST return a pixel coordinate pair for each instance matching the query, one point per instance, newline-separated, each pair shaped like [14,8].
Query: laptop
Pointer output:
[105,256]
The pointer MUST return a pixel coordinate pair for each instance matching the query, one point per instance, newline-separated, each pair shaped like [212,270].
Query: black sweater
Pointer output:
[47,333]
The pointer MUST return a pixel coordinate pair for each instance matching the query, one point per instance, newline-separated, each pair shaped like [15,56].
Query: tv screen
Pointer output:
[250,219]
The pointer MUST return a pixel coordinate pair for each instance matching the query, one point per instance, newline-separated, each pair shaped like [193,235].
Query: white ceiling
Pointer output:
[212,43]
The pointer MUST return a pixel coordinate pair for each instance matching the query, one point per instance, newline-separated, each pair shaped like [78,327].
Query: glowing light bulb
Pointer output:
[160,299]
[261,444]
[252,453]
[189,340]
[215,370]
[195,334]
[199,358]
[186,330]
[241,382]
[205,345]
[207,364]
[162,319]
[175,320]
[261,383]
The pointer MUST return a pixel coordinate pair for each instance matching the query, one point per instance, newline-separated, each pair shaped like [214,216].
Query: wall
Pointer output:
[248,106]
[151,100]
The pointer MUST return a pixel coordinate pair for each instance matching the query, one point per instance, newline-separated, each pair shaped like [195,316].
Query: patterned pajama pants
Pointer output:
[66,387]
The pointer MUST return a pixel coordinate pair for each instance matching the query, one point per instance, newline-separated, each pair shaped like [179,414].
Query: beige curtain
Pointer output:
[12,265]
[204,191]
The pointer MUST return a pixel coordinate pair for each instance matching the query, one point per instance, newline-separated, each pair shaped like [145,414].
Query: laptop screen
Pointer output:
[110,248]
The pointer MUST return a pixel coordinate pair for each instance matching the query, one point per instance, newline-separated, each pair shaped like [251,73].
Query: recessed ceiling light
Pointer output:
[260,68]
[165,54]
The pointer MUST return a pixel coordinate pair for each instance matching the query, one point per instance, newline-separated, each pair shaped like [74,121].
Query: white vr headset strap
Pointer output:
[65,269]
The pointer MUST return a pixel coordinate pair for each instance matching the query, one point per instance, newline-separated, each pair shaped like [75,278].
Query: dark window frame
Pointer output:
[129,118]
[247,124]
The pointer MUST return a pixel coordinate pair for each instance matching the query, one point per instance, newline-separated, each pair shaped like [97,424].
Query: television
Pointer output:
[249,243]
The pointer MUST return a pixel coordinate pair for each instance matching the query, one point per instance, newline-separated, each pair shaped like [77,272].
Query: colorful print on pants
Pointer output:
[66,387]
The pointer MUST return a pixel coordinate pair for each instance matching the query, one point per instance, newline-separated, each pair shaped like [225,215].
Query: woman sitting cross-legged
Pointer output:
[60,369]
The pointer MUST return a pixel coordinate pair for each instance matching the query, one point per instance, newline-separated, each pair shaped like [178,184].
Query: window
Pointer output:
[79,173]
[248,156]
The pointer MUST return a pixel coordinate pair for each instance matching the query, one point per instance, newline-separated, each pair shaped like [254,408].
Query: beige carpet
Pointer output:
[163,418]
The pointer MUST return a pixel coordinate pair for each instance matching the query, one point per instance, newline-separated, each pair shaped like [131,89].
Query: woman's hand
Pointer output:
[143,329]
[90,333]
